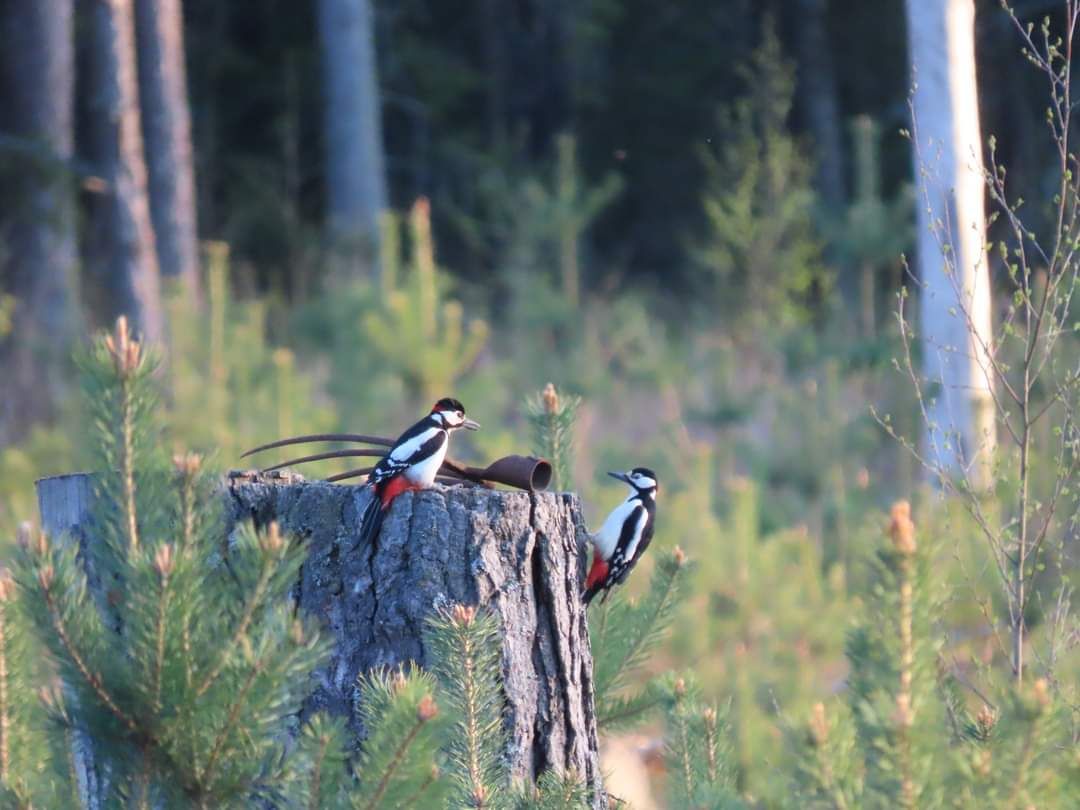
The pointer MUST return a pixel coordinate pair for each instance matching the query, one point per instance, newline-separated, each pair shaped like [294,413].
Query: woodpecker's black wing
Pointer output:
[626,550]
[414,445]
[624,571]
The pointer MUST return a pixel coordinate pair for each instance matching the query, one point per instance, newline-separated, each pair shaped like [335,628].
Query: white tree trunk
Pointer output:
[166,123]
[955,302]
[355,174]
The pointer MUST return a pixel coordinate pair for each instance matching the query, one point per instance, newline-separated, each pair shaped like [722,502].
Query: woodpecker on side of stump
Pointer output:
[413,461]
[625,534]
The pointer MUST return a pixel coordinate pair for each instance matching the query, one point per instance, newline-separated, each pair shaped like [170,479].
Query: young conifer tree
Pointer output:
[697,751]
[180,659]
[396,767]
[552,418]
[913,734]
[180,655]
[624,633]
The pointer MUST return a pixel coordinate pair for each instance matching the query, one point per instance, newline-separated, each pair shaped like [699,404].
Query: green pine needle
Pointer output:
[397,764]
[625,632]
[552,417]
[466,659]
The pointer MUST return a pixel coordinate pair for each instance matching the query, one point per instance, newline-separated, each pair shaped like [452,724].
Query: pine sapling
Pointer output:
[552,418]
[23,748]
[624,633]
[698,757]
[318,776]
[466,660]
[180,659]
[396,767]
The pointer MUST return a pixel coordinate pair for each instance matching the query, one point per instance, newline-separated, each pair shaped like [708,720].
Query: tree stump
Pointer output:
[519,554]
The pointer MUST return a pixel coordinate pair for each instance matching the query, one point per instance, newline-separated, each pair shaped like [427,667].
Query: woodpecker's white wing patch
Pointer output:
[419,453]
[408,449]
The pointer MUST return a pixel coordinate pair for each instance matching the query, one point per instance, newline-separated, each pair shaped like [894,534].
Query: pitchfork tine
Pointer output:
[349,474]
[324,456]
[321,437]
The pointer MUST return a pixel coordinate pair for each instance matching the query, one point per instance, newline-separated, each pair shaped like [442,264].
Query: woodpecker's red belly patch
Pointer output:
[394,488]
[598,573]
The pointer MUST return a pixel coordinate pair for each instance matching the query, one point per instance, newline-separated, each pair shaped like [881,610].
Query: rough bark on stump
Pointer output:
[517,553]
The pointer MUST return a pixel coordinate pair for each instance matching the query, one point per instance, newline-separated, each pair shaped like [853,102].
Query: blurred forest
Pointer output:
[690,214]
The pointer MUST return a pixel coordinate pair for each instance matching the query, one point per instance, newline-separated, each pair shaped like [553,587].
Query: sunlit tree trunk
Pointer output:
[125,265]
[955,301]
[39,237]
[355,174]
[166,122]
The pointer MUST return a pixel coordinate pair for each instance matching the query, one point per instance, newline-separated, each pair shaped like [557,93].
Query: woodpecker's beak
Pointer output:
[621,476]
[469,424]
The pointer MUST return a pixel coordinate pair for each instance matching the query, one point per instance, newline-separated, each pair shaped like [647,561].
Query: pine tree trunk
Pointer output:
[39,226]
[521,555]
[955,301]
[355,174]
[166,121]
[818,99]
[124,263]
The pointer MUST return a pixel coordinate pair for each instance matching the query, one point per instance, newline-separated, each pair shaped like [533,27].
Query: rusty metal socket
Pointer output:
[522,472]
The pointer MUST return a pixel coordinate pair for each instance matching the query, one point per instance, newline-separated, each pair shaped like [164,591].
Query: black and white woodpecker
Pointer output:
[413,461]
[625,534]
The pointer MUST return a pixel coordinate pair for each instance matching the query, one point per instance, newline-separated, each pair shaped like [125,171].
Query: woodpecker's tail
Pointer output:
[594,583]
[371,521]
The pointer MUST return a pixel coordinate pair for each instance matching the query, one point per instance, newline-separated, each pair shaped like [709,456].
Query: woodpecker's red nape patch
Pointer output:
[394,488]
[598,573]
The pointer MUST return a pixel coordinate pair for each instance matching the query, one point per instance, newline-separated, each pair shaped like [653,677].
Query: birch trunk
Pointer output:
[166,126]
[125,262]
[40,230]
[955,301]
[355,174]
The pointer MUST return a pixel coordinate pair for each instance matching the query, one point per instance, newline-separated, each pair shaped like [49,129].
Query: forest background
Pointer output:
[692,215]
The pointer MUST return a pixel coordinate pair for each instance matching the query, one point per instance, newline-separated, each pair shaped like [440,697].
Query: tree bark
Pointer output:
[520,555]
[355,174]
[955,301]
[166,126]
[40,231]
[125,266]
[64,504]
[818,100]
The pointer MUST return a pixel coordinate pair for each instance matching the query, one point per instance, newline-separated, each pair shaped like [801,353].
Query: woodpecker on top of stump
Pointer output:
[625,534]
[413,461]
